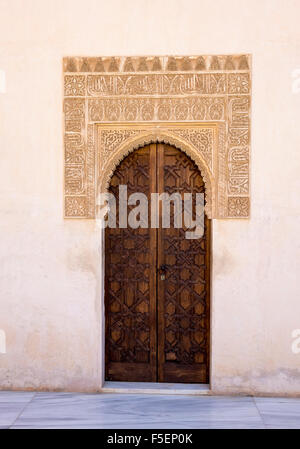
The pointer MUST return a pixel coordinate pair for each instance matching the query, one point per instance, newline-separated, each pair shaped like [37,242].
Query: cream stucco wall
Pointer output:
[50,305]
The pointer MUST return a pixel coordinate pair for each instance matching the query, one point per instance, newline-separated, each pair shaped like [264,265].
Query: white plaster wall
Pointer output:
[50,269]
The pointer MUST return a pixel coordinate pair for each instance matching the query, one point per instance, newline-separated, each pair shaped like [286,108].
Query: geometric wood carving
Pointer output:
[199,104]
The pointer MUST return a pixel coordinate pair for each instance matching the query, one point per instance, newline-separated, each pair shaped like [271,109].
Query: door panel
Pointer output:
[157,330]
[130,281]
[183,302]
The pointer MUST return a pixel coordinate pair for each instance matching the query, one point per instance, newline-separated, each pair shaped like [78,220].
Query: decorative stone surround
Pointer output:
[200,104]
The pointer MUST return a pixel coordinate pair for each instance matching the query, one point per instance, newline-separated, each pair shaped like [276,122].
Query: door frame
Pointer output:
[180,95]
[101,290]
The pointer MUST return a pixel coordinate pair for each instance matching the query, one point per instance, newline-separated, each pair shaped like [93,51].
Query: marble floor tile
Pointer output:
[279,412]
[144,411]
[9,412]
[12,403]
[69,410]
[167,425]
[16,396]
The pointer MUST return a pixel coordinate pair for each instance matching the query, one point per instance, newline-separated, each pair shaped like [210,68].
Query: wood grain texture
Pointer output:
[157,329]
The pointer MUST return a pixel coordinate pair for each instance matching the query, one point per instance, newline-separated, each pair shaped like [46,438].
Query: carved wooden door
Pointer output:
[156,280]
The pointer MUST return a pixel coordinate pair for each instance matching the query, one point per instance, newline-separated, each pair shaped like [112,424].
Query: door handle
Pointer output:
[162,269]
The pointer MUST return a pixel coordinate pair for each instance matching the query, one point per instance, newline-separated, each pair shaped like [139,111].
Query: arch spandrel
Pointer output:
[107,169]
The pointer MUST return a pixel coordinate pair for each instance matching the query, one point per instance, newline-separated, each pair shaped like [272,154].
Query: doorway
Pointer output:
[157,282]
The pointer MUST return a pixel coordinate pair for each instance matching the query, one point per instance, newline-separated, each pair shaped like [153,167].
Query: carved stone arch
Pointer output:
[173,97]
[131,144]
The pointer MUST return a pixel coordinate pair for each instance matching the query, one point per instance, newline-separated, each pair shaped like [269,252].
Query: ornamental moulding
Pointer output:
[199,104]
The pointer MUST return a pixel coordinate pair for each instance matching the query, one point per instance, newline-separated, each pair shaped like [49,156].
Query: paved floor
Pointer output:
[137,411]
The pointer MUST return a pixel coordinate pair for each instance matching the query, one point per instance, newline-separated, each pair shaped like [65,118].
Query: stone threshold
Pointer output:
[155,388]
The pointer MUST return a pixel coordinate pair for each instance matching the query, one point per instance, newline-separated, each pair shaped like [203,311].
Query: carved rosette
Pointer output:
[200,104]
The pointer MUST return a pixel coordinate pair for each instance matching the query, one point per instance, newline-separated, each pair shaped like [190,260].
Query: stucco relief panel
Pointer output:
[200,103]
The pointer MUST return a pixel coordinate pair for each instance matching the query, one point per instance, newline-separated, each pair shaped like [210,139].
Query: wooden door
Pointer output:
[157,326]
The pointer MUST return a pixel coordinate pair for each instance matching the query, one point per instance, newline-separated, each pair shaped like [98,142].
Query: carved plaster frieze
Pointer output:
[200,104]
